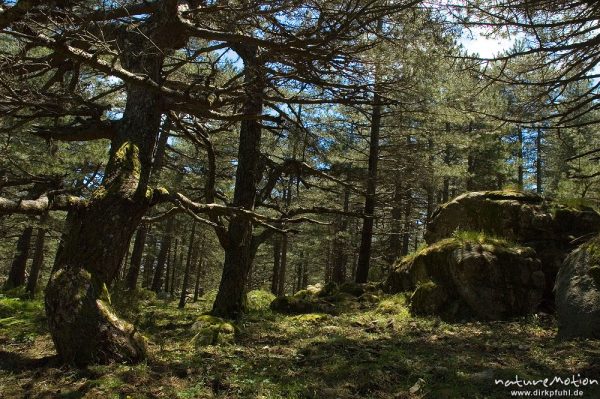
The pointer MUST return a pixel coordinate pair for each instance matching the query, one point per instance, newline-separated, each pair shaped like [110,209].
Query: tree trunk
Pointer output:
[165,246]
[199,271]
[407,223]
[16,275]
[149,263]
[364,254]
[175,272]
[241,248]
[520,159]
[340,257]
[395,243]
[283,266]
[80,319]
[171,259]
[188,264]
[38,261]
[276,265]
[538,162]
[136,258]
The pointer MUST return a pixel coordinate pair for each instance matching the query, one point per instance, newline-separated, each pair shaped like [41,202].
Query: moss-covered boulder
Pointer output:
[549,227]
[331,298]
[471,276]
[578,293]
[303,302]
[211,330]
[512,215]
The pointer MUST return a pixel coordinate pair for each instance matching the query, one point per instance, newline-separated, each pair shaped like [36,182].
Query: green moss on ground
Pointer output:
[378,351]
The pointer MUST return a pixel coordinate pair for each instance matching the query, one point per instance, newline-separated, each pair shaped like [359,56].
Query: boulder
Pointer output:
[471,276]
[331,298]
[512,215]
[211,330]
[525,218]
[577,292]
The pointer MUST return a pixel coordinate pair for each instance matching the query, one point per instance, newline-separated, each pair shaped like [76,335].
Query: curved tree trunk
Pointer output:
[80,319]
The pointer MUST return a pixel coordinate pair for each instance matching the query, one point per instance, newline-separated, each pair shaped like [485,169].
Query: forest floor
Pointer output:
[375,350]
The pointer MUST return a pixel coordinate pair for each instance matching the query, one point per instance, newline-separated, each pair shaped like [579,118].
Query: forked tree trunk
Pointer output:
[16,275]
[241,248]
[82,324]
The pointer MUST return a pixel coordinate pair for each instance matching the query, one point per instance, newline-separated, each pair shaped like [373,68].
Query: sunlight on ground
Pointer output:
[375,350]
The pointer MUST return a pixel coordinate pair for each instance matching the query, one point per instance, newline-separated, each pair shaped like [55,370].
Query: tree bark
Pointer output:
[16,275]
[241,248]
[38,261]
[82,324]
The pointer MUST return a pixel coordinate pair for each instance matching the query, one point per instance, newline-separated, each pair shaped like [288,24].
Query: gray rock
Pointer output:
[577,292]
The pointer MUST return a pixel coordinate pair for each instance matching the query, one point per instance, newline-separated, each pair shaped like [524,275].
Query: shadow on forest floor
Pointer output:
[378,351]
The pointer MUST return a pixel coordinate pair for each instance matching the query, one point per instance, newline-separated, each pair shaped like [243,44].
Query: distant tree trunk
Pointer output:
[16,275]
[136,257]
[328,260]
[171,260]
[407,223]
[361,271]
[520,159]
[241,247]
[165,245]
[298,282]
[176,269]
[276,265]
[538,162]
[305,272]
[38,260]
[149,263]
[364,253]
[188,263]
[395,245]
[199,271]
[430,182]
[340,257]
[283,266]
